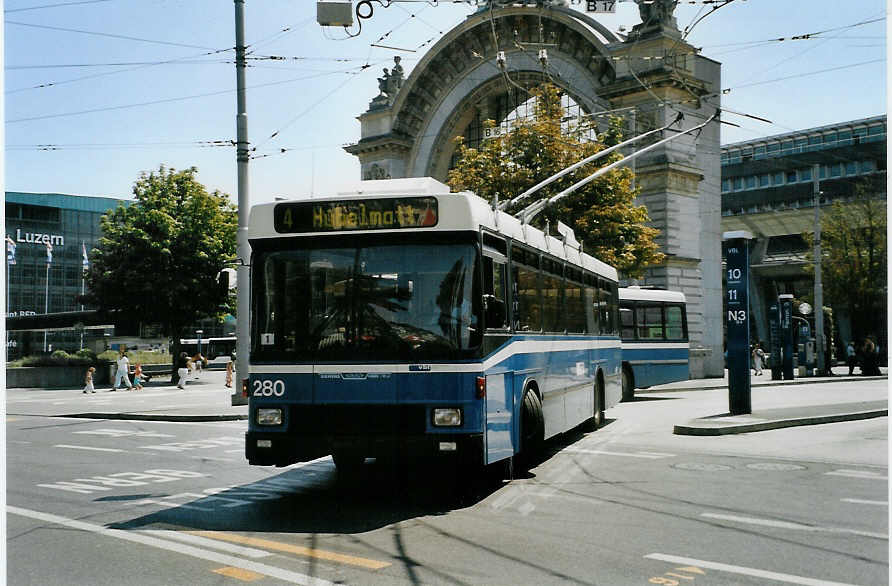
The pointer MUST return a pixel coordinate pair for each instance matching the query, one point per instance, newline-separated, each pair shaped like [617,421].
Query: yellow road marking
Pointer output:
[239,574]
[295,549]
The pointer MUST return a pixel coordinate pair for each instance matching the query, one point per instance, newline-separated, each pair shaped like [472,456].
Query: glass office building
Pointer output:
[70,224]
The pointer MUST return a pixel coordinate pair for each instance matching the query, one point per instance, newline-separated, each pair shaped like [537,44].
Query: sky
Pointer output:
[99,91]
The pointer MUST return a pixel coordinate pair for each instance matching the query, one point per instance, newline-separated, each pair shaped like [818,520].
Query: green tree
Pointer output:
[159,257]
[853,260]
[602,213]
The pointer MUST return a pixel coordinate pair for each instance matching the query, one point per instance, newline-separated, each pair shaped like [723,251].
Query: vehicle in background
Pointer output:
[654,333]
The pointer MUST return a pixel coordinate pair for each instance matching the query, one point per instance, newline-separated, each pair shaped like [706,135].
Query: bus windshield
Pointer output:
[395,302]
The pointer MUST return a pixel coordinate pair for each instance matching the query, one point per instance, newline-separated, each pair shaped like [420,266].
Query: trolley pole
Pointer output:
[243,250]
[823,369]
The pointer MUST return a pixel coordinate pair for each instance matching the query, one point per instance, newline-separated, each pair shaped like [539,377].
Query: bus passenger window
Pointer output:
[527,309]
[575,307]
[494,274]
[627,323]
[674,323]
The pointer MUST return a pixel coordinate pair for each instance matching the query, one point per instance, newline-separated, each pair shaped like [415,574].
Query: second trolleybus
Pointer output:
[654,332]
[404,320]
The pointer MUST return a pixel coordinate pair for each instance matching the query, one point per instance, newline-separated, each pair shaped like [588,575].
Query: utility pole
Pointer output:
[243,251]
[823,369]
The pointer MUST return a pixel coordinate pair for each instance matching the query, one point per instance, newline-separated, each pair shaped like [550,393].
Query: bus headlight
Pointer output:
[447,416]
[269,417]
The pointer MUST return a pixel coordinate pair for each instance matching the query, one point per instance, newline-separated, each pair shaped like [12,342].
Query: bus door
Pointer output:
[499,378]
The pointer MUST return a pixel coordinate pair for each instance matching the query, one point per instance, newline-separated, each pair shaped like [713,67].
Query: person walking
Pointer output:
[182,370]
[88,380]
[758,356]
[851,357]
[121,375]
[230,369]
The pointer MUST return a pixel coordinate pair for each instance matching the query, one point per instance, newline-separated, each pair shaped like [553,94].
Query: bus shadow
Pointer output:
[314,499]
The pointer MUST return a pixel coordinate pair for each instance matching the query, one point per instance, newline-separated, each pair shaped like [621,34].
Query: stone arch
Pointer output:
[414,134]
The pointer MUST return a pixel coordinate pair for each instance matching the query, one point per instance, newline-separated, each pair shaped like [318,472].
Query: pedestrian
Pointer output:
[138,377]
[122,372]
[182,370]
[869,366]
[758,357]
[230,369]
[88,380]
[197,364]
[851,357]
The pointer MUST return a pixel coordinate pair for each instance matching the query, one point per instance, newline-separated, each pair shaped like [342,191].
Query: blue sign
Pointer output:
[738,321]
[786,328]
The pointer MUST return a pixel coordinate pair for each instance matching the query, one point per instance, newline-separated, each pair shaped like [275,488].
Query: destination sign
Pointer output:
[356,214]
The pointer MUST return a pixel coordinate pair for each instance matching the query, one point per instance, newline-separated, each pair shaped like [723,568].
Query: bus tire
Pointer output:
[597,419]
[532,429]
[628,384]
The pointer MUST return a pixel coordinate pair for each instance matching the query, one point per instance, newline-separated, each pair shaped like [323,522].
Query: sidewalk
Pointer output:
[798,411]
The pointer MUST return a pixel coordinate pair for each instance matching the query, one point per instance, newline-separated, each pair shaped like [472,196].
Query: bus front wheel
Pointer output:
[628,385]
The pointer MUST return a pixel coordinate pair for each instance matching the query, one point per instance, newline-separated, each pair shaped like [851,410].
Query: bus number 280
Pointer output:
[269,388]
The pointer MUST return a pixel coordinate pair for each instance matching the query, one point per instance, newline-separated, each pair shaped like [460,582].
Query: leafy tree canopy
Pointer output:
[853,259]
[159,257]
[602,213]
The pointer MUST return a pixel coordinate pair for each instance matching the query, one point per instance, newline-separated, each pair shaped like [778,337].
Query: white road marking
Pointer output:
[88,448]
[210,543]
[177,547]
[865,502]
[647,455]
[794,526]
[755,572]
[858,474]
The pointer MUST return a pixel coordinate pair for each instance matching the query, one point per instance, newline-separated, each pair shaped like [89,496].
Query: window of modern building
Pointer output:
[876,133]
[815,142]
[845,137]
[759,152]
[764,180]
[734,157]
[805,174]
[726,185]
[851,168]
[751,182]
[829,140]
[824,172]
[791,176]
[774,149]
[737,182]
[778,178]
[800,144]
[858,135]
[868,167]
[835,170]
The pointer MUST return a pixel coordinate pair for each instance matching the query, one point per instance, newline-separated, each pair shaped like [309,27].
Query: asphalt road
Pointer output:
[148,502]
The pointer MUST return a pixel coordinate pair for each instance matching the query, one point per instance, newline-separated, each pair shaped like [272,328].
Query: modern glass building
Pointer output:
[768,187]
[70,225]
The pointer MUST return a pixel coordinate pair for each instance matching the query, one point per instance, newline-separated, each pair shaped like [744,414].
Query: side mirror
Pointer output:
[494,311]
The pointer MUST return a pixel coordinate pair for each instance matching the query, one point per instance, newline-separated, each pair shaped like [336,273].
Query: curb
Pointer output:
[781,383]
[152,417]
[778,424]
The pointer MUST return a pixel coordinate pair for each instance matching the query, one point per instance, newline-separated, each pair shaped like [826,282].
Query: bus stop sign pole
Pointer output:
[738,320]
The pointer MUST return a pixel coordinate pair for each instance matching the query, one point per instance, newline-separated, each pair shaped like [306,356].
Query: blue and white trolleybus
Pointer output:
[404,320]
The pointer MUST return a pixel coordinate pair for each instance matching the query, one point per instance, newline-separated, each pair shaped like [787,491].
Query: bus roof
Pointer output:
[456,212]
[636,293]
